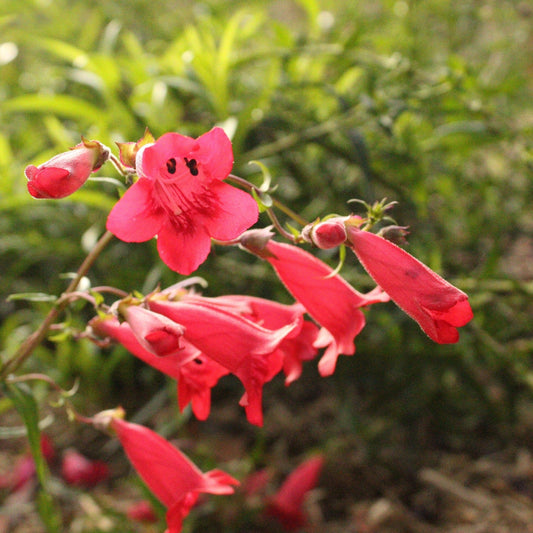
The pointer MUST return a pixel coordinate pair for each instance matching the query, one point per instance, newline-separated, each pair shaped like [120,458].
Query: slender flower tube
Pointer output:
[328,298]
[170,474]
[67,172]
[181,198]
[437,306]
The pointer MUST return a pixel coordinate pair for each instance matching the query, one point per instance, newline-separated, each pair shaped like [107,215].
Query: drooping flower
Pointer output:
[236,343]
[77,470]
[174,479]
[181,198]
[287,504]
[297,346]
[328,298]
[67,172]
[195,373]
[437,306]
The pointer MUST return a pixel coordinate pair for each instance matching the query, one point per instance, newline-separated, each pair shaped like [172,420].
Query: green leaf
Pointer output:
[57,104]
[267,177]
[32,297]
[24,402]
[264,201]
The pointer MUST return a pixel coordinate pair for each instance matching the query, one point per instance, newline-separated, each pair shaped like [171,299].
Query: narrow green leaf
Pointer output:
[24,402]
[32,297]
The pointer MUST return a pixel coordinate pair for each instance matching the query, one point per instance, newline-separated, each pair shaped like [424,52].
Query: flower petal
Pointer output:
[136,217]
[235,212]
[183,250]
[215,153]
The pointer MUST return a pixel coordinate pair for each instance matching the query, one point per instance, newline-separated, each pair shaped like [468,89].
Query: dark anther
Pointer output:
[171,165]
[192,166]
[198,361]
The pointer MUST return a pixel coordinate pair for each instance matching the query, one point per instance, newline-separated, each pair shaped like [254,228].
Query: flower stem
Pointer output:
[282,207]
[29,345]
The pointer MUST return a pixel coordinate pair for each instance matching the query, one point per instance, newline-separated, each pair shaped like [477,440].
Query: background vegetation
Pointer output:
[426,103]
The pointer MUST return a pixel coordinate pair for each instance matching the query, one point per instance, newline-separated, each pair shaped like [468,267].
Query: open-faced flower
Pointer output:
[181,198]
[238,344]
[328,298]
[67,172]
[168,473]
[437,306]
[287,505]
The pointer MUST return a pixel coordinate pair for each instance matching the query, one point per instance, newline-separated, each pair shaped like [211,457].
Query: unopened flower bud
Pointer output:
[328,234]
[255,241]
[67,172]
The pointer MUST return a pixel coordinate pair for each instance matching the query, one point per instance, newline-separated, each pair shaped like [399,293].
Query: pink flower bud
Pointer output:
[142,511]
[328,234]
[67,172]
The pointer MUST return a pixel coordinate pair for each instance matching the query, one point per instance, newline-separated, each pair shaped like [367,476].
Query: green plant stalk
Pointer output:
[29,345]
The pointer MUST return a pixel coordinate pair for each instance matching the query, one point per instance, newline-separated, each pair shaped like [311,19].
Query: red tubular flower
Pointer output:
[287,504]
[170,475]
[437,306]
[181,198]
[238,344]
[67,172]
[80,471]
[330,300]
[297,346]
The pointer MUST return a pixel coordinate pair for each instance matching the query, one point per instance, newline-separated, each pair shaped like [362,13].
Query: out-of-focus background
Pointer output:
[427,103]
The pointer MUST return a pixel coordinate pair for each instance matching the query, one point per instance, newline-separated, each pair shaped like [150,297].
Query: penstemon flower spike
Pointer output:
[180,191]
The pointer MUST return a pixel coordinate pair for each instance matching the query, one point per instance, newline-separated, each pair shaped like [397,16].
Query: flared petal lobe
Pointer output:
[136,217]
[437,306]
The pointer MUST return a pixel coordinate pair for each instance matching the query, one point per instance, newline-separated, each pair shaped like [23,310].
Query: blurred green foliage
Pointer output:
[423,102]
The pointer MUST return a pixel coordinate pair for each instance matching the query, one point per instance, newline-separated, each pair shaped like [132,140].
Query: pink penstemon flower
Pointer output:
[181,198]
[65,173]
[437,306]
[328,298]
[287,504]
[174,479]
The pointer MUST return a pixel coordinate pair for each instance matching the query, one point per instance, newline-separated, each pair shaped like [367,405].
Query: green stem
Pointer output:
[282,207]
[29,345]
